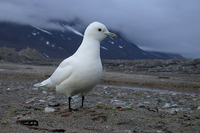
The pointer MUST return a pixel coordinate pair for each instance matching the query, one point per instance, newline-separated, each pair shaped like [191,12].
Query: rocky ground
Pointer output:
[154,96]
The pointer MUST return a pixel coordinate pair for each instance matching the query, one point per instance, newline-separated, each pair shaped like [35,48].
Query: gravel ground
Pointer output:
[122,103]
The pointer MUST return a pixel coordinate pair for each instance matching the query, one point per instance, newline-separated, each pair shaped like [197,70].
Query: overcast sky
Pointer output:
[158,25]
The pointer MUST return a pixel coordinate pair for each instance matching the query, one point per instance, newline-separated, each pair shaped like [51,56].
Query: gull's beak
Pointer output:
[111,34]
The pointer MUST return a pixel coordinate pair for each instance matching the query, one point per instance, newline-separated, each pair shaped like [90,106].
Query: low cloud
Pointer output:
[169,26]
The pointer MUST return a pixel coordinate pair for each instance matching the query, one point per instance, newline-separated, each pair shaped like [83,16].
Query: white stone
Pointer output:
[167,105]
[48,110]
[44,92]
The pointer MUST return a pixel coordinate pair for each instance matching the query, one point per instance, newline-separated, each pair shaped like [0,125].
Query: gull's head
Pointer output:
[98,31]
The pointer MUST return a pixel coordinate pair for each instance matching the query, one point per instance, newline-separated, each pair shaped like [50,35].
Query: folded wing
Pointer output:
[63,72]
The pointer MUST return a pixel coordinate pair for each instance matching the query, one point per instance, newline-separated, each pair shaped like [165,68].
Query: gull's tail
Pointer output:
[37,85]
[46,83]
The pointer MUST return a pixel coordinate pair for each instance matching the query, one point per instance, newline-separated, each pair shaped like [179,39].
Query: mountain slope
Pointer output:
[63,43]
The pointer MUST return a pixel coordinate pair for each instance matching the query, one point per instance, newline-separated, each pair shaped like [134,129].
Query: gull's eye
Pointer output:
[99,30]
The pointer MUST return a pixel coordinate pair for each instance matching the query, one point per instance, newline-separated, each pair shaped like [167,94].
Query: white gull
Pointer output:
[82,71]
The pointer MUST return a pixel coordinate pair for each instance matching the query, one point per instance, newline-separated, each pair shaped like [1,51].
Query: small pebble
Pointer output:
[105,87]
[15,89]
[120,103]
[42,101]
[174,105]
[44,92]
[159,100]
[114,100]
[127,131]
[38,103]
[50,98]
[146,102]
[48,110]
[53,104]
[174,110]
[159,131]
[31,100]
[194,99]
[35,89]
[140,105]
[167,105]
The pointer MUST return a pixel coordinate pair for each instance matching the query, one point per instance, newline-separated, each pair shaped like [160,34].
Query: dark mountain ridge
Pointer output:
[63,43]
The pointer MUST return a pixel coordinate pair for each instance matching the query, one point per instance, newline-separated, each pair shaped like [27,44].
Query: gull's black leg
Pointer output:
[70,109]
[83,97]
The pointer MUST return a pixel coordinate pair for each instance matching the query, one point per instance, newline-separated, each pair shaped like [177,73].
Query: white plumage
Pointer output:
[79,73]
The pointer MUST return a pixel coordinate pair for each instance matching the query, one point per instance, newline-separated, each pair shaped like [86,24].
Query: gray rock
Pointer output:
[50,98]
[174,110]
[141,105]
[15,89]
[38,103]
[167,105]
[48,110]
[31,100]
[35,89]
[159,100]
[53,104]
[44,92]
[118,102]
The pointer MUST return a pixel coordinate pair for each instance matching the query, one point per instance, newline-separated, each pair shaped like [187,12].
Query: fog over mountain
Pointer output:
[155,25]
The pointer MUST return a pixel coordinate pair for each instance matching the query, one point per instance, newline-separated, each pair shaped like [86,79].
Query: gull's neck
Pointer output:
[89,48]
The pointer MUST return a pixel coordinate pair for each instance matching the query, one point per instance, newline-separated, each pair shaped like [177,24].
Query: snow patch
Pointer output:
[73,30]
[60,48]
[104,48]
[45,55]
[120,46]
[45,31]
[33,33]
[47,42]
[111,42]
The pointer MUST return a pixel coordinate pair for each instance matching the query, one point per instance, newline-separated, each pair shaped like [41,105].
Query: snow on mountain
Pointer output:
[104,48]
[34,33]
[73,30]
[45,31]
[120,46]
[47,42]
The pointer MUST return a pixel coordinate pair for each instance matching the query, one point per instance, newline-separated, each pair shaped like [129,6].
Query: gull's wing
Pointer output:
[64,70]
